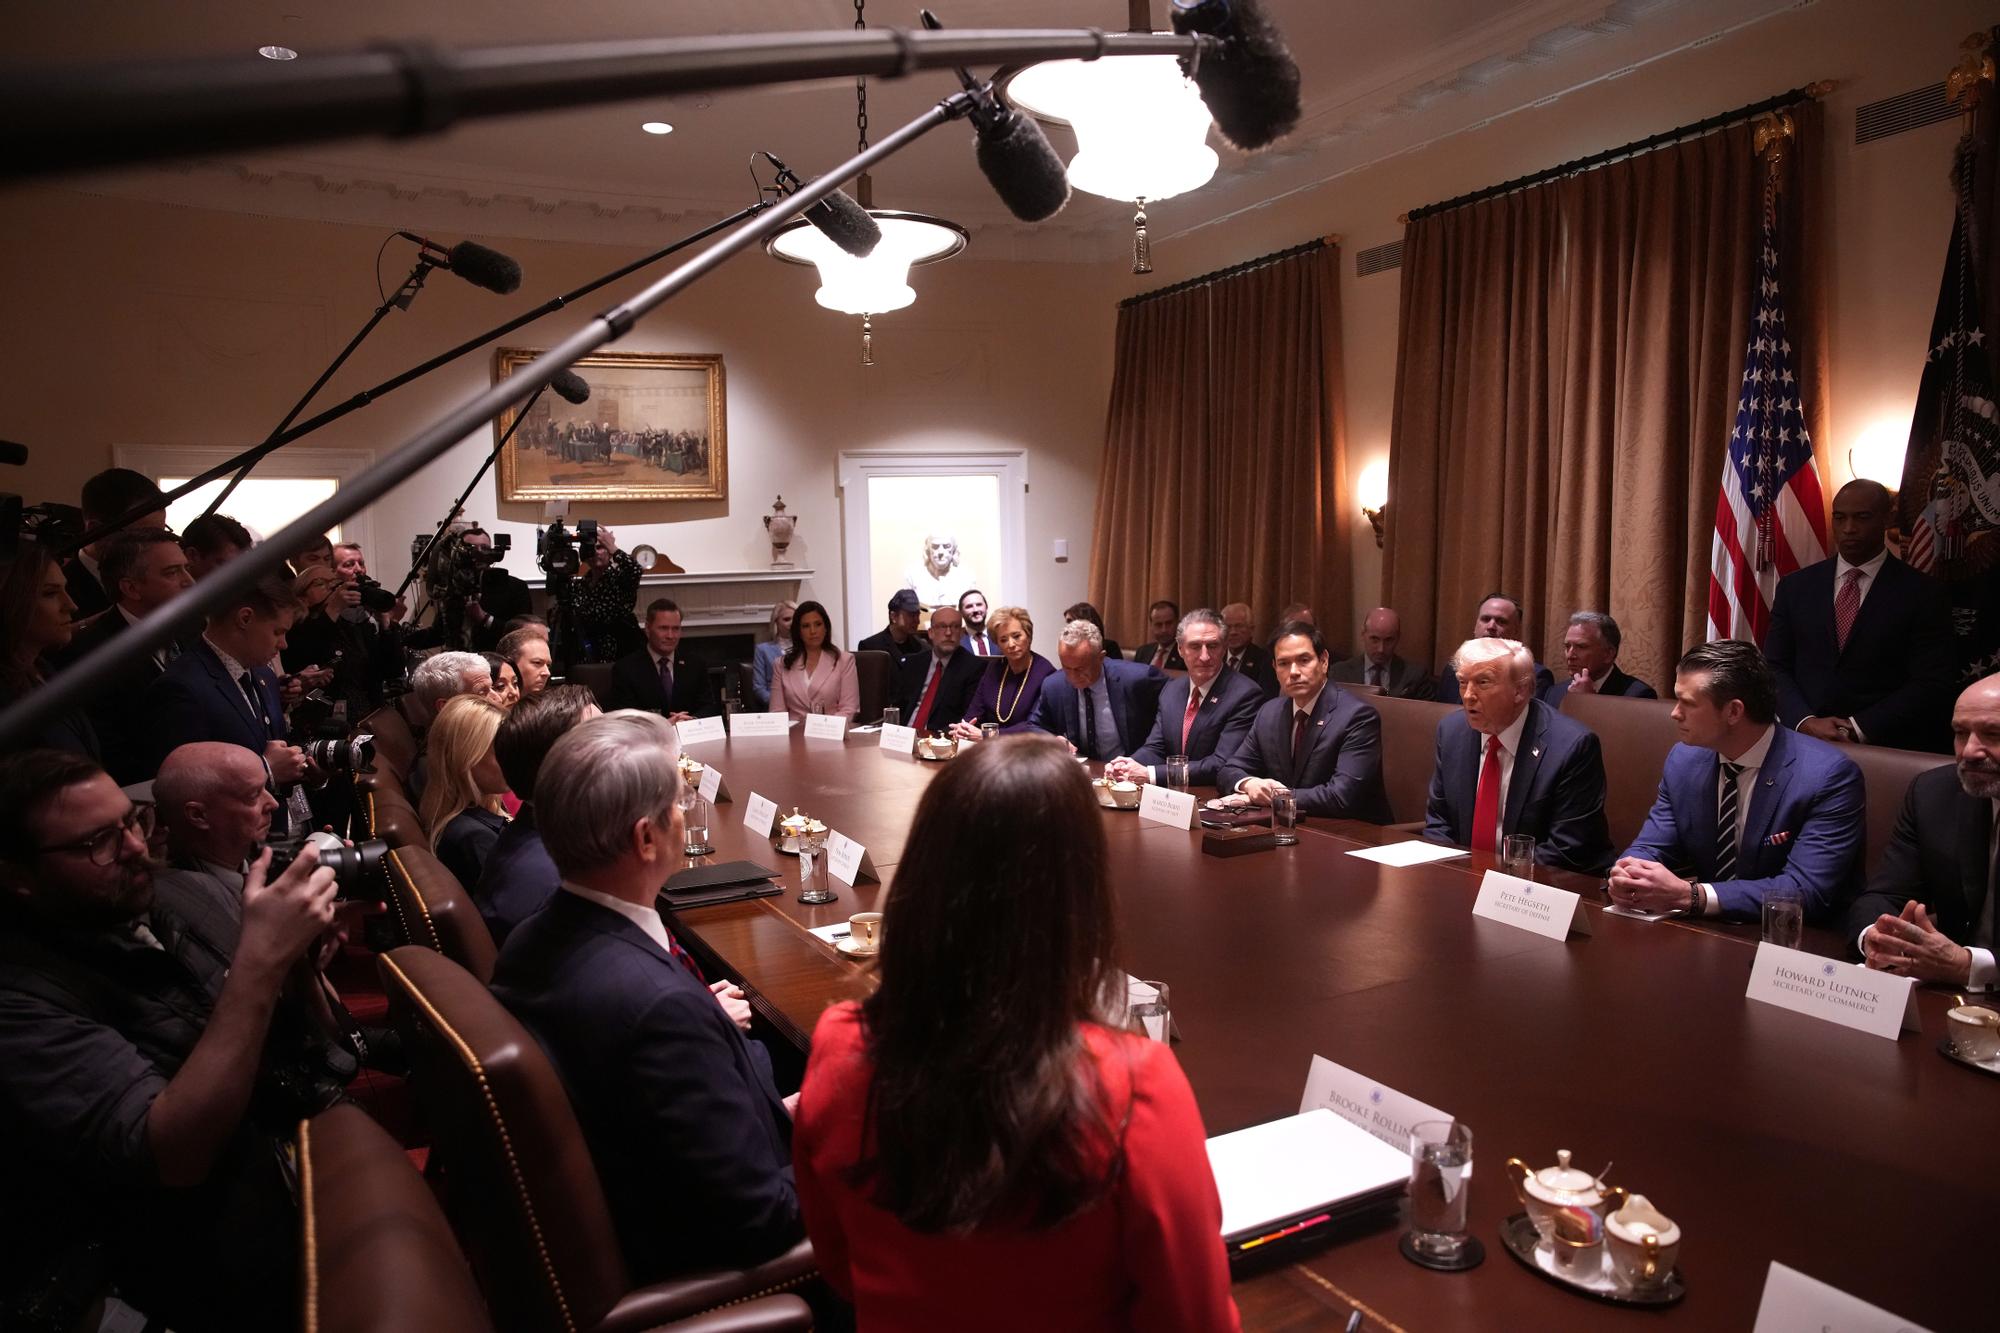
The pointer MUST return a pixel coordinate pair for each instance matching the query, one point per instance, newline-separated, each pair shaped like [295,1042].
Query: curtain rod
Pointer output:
[1276,256]
[1811,91]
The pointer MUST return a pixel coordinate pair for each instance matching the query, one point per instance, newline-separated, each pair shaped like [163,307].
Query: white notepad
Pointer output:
[1271,1172]
[1414,852]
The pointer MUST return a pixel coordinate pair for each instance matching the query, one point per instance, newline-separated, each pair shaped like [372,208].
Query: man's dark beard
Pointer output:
[1979,778]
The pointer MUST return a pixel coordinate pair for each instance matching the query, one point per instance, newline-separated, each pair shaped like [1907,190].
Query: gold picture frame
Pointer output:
[654,428]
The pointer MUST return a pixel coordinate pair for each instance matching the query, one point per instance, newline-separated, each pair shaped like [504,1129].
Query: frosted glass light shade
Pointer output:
[881,282]
[1141,129]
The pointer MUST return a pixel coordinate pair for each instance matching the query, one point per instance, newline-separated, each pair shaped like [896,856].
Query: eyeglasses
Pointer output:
[102,846]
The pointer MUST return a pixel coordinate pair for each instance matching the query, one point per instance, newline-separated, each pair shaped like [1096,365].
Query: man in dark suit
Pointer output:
[678,1108]
[1862,642]
[111,494]
[1203,715]
[1242,653]
[1745,806]
[900,638]
[221,689]
[1929,911]
[1515,765]
[1325,745]
[1087,611]
[934,690]
[143,569]
[1500,617]
[500,598]
[519,876]
[1590,655]
[657,678]
[1378,664]
[1162,616]
[1104,705]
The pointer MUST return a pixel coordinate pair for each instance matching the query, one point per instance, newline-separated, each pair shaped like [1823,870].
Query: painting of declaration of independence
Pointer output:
[652,430]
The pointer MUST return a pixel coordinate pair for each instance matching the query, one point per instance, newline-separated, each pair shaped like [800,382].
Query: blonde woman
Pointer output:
[461,801]
[1014,676]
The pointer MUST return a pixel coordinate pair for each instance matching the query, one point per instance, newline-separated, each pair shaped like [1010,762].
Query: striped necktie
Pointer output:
[1725,823]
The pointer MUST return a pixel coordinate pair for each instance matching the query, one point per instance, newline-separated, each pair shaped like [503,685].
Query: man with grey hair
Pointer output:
[1378,663]
[684,1124]
[1110,703]
[1241,652]
[935,688]
[442,677]
[1514,765]
[1590,652]
[1203,715]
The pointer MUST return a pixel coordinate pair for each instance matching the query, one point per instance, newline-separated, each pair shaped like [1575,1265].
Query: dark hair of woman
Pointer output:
[798,648]
[21,582]
[997,948]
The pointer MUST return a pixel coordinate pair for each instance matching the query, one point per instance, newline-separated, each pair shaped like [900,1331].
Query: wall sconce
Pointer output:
[1373,487]
[1877,453]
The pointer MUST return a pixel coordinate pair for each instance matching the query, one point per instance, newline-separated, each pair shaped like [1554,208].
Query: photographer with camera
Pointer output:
[498,596]
[131,1048]
[593,593]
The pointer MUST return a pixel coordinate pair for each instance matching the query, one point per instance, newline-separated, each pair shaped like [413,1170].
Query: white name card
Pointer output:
[698,729]
[760,724]
[847,859]
[1844,993]
[1551,913]
[1164,805]
[826,726]
[1795,1303]
[1359,1100]
[712,789]
[758,814]
[899,740]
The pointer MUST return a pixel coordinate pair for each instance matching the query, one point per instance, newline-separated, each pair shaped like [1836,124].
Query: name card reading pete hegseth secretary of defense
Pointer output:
[1551,913]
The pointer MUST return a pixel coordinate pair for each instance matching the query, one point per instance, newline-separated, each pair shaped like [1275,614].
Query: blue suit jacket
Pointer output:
[1220,724]
[194,699]
[1805,825]
[1340,774]
[1135,697]
[1555,793]
[519,877]
[687,1132]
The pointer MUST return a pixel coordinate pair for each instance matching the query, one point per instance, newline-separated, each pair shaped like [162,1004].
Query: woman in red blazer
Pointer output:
[979,1145]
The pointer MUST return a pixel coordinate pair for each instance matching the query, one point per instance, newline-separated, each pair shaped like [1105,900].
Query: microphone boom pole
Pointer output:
[417,565]
[97,669]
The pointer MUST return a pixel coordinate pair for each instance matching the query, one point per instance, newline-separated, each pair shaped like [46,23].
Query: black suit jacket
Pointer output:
[1555,793]
[1938,855]
[962,671]
[466,843]
[503,597]
[1447,684]
[1894,677]
[635,683]
[1152,654]
[1615,684]
[686,1129]
[84,589]
[882,641]
[1406,679]
[194,699]
[1256,667]
[1220,725]
[1340,774]
[118,710]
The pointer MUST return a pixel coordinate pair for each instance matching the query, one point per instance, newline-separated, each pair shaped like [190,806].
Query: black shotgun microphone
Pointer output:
[836,217]
[476,263]
[1249,82]
[1013,153]
[12,454]
[571,386]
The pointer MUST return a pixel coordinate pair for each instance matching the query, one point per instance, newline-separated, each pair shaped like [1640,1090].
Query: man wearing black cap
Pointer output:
[901,638]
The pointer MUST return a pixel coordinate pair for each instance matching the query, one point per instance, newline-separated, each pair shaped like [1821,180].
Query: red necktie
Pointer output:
[1187,720]
[930,695]
[684,958]
[1486,806]
[1846,605]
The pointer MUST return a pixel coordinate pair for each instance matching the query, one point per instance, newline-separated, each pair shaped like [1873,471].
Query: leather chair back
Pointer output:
[431,908]
[597,676]
[396,745]
[1635,735]
[392,819]
[1888,774]
[1409,752]
[377,1254]
[1366,691]
[871,681]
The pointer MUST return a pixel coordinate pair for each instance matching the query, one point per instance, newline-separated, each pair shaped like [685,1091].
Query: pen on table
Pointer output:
[1354,1321]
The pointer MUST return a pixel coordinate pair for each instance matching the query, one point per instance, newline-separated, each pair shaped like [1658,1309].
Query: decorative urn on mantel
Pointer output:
[780,525]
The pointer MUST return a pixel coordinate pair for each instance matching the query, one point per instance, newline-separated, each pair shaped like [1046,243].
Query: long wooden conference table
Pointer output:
[1768,1135]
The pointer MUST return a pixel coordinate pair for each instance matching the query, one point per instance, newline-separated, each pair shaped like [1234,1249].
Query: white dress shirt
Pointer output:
[645,918]
[1752,762]
[1510,745]
[1984,974]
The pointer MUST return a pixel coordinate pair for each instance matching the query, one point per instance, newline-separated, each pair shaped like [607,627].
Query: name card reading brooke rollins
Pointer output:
[1551,913]
[826,726]
[1361,1101]
[1844,993]
[758,812]
[759,724]
[899,740]
[711,788]
[698,729]
[1164,805]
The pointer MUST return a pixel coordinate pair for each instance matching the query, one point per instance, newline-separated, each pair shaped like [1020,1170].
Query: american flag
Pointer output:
[1771,516]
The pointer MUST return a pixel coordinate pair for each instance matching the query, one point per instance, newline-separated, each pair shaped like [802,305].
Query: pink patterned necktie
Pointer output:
[1846,605]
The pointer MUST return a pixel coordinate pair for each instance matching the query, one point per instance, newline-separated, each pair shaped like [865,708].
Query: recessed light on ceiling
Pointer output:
[277,53]
[657,127]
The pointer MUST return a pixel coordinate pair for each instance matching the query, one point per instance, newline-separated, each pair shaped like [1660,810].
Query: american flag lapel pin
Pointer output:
[1778,839]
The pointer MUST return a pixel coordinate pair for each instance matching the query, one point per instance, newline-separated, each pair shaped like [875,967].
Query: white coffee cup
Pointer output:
[1975,1032]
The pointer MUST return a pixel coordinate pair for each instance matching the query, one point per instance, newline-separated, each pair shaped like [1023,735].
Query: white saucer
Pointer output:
[854,948]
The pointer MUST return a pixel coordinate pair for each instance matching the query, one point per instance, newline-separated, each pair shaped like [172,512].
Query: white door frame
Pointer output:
[857,466]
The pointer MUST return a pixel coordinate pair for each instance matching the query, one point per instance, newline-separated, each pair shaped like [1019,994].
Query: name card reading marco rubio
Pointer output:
[1844,993]
[1552,913]
[1361,1101]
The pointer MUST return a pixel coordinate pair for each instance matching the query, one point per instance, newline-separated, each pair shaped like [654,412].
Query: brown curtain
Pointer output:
[1224,472]
[1569,363]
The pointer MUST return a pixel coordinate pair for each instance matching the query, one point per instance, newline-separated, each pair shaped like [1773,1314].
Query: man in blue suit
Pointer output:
[1745,805]
[1499,617]
[1107,705]
[1204,715]
[1321,742]
[1516,765]
[1590,663]
[686,1129]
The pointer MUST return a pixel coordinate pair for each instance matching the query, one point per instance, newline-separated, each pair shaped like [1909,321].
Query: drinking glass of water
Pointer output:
[1784,916]
[694,819]
[1517,855]
[1440,1188]
[1284,817]
[1150,1010]
[1177,771]
[989,731]
[892,717]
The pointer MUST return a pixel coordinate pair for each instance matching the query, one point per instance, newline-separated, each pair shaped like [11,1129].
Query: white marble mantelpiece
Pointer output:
[722,599]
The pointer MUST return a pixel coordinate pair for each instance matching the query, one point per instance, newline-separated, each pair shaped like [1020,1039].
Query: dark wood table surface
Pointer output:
[1767,1135]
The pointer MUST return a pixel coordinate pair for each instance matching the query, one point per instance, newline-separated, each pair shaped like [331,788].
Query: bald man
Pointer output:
[1378,664]
[212,799]
[1861,642]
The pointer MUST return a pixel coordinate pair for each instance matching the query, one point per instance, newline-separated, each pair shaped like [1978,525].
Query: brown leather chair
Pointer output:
[871,680]
[1635,735]
[392,819]
[395,743]
[597,677]
[1888,774]
[429,907]
[520,1182]
[1409,752]
[383,779]
[1366,691]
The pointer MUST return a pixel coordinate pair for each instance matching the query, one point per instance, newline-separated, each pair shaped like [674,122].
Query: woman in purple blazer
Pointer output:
[1013,683]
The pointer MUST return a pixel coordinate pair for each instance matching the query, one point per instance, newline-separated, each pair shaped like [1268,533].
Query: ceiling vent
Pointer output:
[1378,259]
[1904,112]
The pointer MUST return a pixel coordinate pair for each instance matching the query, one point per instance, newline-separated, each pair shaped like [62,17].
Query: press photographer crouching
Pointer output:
[143,1132]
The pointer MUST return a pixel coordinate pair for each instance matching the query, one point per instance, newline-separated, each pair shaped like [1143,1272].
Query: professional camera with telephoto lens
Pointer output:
[455,567]
[352,755]
[52,525]
[374,597]
[357,870]
[560,553]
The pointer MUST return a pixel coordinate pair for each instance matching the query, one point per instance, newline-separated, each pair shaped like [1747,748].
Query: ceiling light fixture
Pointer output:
[881,282]
[277,53]
[657,127]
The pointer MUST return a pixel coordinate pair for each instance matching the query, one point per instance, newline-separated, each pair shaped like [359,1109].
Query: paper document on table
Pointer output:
[1317,1160]
[1415,852]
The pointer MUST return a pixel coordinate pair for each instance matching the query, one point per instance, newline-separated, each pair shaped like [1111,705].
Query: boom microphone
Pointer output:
[571,386]
[1250,84]
[1013,153]
[836,217]
[476,263]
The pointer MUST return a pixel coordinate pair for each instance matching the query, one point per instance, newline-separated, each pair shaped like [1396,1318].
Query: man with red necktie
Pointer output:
[934,688]
[1204,715]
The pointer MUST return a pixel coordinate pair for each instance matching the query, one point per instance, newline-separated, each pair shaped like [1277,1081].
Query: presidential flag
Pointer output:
[1770,518]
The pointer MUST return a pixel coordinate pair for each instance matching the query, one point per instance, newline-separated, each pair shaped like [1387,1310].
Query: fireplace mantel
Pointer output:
[719,600]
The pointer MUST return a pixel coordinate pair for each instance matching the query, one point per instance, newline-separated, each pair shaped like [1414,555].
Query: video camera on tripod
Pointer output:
[562,554]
